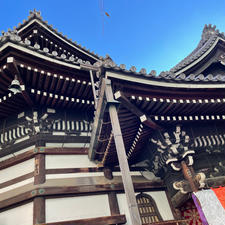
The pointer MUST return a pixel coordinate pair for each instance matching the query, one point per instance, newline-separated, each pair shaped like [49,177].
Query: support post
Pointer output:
[188,174]
[127,181]
[39,210]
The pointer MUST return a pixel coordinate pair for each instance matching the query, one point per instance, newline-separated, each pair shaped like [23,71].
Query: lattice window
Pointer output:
[147,208]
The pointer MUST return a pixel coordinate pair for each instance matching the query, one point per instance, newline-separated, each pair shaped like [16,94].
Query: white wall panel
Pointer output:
[70,175]
[68,161]
[17,170]
[74,208]
[21,215]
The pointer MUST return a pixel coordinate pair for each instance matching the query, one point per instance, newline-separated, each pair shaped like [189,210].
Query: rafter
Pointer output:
[13,68]
[132,108]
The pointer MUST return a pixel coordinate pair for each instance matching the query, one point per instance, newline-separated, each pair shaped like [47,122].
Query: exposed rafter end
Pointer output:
[132,108]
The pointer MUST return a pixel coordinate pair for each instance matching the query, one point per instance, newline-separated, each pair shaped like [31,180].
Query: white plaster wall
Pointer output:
[19,184]
[71,175]
[17,170]
[21,215]
[68,161]
[161,202]
[74,208]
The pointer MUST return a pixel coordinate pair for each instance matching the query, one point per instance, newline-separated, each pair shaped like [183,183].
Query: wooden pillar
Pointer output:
[113,203]
[39,170]
[127,181]
[39,210]
[39,178]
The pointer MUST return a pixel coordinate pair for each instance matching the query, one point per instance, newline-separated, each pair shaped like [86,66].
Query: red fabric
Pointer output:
[220,194]
[190,212]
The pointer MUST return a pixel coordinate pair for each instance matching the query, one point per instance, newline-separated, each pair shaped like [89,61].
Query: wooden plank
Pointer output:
[74,170]
[105,220]
[48,191]
[17,159]
[66,151]
[43,150]
[16,180]
[39,169]
[132,108]
[113,203]
[38,210]
[122,157]
[96,127]
[121,153]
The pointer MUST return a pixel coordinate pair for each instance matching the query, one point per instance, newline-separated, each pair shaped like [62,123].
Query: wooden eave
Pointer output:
[48,82]
[55,40]
[147,104]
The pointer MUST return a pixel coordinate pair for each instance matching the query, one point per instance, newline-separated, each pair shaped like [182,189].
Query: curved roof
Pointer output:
[210,35]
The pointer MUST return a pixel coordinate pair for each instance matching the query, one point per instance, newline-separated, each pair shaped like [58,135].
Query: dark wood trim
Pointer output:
[77,190]
[38,210]
[66,151]
[17,159]
[41,150]
[105,220]
[113,203]
[85,170]
[136,111]
[73,170]
[39,169]
[16,180]
[44,138]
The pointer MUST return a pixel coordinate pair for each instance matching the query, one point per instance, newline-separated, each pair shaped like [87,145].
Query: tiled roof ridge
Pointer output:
[37,15]
[209,36]
[163,76]
[13,37]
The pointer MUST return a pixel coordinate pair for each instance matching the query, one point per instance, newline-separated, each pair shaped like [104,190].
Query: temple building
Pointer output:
[84,141]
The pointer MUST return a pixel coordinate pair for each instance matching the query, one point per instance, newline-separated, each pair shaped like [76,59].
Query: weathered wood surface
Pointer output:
[39,170]
[74,186]
[16,180]
[38,210]
[113,203]
[41,150]
[123,163]
[105,220]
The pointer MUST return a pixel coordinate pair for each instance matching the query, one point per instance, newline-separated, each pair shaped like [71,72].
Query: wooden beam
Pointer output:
[105,220]
[39,169]
[16,180]
[89,189]
[113,203]
[42,150]
[96,127]
[38,210]
[121,153]
[132,108]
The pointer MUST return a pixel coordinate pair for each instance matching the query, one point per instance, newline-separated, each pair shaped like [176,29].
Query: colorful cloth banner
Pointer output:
[220,193]
[201,214]
[211,207]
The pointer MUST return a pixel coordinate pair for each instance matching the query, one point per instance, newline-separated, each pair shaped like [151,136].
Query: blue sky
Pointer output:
[149,34]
